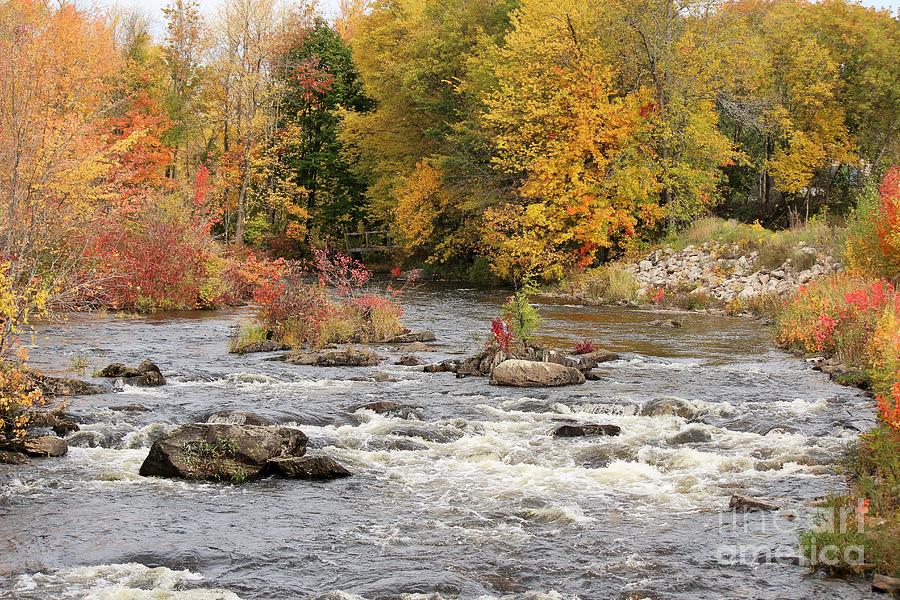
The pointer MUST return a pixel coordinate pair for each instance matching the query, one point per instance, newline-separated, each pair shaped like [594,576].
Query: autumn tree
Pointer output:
[183,52]
[57,67]
[318,83]
[585,178]
[246,31]
[418,60]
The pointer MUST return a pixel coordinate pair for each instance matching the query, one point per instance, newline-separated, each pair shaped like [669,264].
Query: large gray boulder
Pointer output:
[67,386]
[221,451]
[146,374]
[526,373]
[412,337]
[671,405]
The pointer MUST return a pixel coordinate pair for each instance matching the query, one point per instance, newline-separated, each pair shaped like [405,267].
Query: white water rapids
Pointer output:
[469,497]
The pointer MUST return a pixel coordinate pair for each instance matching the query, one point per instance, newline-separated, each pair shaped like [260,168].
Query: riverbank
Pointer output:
[847,323]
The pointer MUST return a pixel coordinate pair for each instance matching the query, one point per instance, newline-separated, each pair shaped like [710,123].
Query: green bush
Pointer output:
[520,314]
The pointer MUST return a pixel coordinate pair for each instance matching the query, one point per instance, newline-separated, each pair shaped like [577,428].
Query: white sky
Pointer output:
[153,8]
[330,7]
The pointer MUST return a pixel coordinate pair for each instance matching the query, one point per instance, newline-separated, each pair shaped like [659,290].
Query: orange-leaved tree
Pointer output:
[56,66]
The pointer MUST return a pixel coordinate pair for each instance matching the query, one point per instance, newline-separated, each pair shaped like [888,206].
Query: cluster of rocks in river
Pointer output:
[724,272]
[146,374]
[535,367]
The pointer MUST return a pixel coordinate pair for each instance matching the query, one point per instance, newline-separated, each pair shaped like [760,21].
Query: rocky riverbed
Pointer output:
[624,486]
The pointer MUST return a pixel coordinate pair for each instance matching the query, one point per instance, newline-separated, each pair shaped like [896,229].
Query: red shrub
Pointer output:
[340,272]
[501,334]
[584,347]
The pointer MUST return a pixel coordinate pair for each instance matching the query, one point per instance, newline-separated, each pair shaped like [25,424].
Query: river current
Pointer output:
[472,499]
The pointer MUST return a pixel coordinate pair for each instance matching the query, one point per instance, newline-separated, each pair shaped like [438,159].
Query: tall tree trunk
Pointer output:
[242,199]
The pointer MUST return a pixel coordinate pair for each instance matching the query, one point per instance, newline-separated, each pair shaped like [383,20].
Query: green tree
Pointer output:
[318,85]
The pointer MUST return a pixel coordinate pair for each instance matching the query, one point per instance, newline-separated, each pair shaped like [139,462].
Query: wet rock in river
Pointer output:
[439,434]
[470,367]
[691,435]
[670,406]
[220,451]
[886,585]
[526,373]
[416,347]
[448,366]
[44,446]
[319,468]
[66,386]
[129,408]
[147,374]
[410,338]
[748,504]
[350,357]
[672,323]
[9,457]
[377,377]
[587,429]
[394,409]
[408,360]
[264,346]
[61,423]
[238,417]
[592,359]
[599,456]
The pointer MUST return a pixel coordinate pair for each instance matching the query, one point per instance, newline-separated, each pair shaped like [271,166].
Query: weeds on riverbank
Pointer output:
[332,309]
[774,247]
[611,283]
[855,317]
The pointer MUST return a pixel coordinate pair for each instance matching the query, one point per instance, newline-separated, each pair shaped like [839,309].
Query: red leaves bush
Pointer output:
[333,309]
[584,347]
[501,335]
[858,321]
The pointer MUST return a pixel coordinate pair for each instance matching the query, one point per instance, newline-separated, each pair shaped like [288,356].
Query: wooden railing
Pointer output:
[369,241]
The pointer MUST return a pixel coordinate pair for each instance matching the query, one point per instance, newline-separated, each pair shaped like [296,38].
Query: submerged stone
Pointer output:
[691,435]
[747,504]
[589,429]
[319,468]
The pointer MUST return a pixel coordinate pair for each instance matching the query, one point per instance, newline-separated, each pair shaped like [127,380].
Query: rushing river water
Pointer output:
[472,500]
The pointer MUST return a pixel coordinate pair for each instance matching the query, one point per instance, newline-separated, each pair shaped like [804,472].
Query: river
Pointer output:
[472,500]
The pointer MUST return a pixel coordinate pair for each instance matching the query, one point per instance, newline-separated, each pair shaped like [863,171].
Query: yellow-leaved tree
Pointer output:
[585,178]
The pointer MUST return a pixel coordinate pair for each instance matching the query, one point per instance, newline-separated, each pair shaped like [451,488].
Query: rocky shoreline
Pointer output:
[725,272]
[712,277]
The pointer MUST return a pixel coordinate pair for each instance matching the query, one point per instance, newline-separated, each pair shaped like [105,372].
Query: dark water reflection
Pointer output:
[475,500]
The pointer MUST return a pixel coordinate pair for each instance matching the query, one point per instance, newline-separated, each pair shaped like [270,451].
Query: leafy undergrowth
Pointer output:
[18,395]
[855,317]
[333,309]
[861,531]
